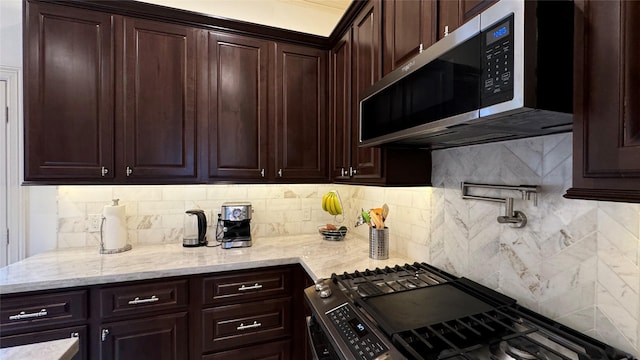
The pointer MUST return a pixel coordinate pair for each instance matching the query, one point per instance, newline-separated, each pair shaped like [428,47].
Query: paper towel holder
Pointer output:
[102,248]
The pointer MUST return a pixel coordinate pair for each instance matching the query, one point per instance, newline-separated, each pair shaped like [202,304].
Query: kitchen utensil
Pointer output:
[376,218]
[195,228]
[113,229]
[385,212]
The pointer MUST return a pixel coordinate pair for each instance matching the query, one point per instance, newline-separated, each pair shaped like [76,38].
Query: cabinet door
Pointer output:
[238,128]
[453,13]
[160,338]
[300,132]
[69,115]
[48,335]
[341,107]
[408,26]
[159,101]
[606,128]
[366,64]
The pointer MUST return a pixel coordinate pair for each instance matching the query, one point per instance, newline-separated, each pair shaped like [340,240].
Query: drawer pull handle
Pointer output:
[137,300]
[255,324]
[23,315]
[256,286]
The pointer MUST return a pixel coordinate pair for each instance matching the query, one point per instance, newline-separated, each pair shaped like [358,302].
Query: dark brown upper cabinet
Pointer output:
[69,97]
[159,92]
[409,27]
[340,116]
[300,127]
[238,117]
[267,111]
[108,98]
[356,65]
[366,70]
[453,13]
[606,127]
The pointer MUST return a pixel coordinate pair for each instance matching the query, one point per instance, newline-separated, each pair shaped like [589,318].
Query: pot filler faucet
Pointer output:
[514,218]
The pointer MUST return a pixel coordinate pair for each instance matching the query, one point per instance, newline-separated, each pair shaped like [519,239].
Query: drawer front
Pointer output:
[277,350]
[224,327]
[247,285]
[143,298]
[34,311]
[39,336]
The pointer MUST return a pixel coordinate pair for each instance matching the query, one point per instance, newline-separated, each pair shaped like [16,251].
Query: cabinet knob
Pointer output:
[279,172]
[75,335]
[104,171]
[352,171]
[446,30]
[129,171]
[342,171]
[104,334]
[262,172]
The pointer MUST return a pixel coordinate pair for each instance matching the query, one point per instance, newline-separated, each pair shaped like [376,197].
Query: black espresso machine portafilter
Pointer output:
[234,225]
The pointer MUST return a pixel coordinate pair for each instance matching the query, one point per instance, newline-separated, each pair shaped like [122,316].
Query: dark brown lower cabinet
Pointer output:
[253,314]
[48,335]
[277,350]
[43,316]
[163,337]
[236,325]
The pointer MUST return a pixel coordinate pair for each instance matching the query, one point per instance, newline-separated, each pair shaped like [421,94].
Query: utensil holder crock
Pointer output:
[379,243]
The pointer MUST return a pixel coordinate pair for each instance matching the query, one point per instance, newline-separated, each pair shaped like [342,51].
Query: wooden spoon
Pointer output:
[385,211]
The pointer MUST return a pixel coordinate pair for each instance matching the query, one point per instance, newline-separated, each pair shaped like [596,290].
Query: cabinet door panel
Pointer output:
[341,107]
[366,58]
[159,98]
[607,115]
[69,118]
[161,337]
[301,135]
[40,336]
[238,138]
[407,25]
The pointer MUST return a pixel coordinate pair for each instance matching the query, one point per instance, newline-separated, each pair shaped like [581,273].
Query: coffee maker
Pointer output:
[235,220]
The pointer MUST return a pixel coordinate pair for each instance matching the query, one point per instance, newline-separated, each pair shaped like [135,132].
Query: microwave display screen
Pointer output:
[497,34]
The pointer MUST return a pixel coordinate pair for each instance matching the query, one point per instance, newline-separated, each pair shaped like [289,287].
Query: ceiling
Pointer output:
[317,17]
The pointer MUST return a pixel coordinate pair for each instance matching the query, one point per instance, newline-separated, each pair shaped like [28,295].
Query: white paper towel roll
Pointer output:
[115,227]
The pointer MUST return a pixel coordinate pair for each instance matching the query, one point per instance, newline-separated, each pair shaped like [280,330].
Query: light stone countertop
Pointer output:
[63,349]
[85,266]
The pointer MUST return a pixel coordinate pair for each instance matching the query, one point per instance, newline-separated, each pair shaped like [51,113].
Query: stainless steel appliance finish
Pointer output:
[505,74]
[234,225]
[417,311]
[195,228]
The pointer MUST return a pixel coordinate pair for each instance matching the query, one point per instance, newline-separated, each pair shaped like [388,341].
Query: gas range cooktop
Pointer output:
[417,311]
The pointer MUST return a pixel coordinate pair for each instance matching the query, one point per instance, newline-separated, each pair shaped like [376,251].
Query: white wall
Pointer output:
[11,33]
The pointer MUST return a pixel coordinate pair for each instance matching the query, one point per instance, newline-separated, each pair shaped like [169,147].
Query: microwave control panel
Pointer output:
[497,65]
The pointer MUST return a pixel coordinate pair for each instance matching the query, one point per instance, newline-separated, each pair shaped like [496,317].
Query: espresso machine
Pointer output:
[234,225]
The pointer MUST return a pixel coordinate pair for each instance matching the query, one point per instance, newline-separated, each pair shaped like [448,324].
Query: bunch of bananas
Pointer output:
[331,203]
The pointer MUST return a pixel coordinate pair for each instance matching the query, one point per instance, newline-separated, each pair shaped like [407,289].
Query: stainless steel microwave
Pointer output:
[505,74]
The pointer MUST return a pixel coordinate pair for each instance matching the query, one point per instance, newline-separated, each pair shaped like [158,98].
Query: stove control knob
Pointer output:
[325,291]
[319,284]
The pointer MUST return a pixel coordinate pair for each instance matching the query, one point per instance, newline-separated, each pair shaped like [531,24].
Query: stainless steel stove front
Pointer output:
[345,333]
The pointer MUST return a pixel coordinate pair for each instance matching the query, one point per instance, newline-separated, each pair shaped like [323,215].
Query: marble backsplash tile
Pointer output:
[576,261]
